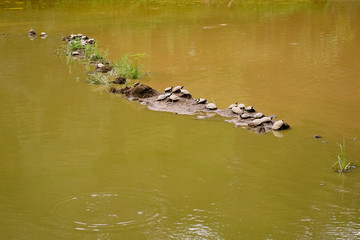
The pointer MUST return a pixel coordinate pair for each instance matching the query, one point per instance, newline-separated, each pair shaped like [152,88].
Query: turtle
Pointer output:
[43,34]
[161,97]
[211,106]
[201,100]
[236,110]
[256,122]
[90,41]
[31,33]
[79,35]
[277,125]
[233,105]
[185,93]
[84,37]
[174,98]
[100,65]
[250,109]
[245,115]
[136,84]
[168,89]
[241,105]
[265,119]
[258,115]
[177,89]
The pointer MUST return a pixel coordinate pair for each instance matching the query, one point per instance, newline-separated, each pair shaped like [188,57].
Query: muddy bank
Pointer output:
[177,99]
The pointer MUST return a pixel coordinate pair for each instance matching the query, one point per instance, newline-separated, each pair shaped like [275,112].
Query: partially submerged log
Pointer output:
[178,100]
[190,106]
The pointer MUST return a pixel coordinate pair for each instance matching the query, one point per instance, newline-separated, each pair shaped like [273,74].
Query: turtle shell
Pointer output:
[245,115]
[185,92]
[277,125]
[177,89]
[258,115]
[241,105]
[233,105]
[161,97]
[250,109]
[265,119]
[174,98]
[211,106]
[168,89]
[201,100]
[236,110]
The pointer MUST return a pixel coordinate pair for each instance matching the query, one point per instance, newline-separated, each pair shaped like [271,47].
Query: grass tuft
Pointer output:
[342,163]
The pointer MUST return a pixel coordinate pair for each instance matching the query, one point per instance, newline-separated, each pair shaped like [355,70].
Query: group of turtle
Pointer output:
[32,34]
[174,94]
[258,117]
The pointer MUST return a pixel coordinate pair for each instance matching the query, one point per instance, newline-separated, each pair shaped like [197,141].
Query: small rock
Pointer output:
[112,90]
[119,80]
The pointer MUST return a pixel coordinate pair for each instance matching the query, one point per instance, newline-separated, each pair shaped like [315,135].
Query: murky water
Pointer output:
[78,163]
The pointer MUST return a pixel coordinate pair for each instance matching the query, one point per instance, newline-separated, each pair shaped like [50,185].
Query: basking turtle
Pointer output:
[43,35]
[31,33]
[211,106]
[174,98]
[236,110]
[233,105]
[241,105]
[245,115]
[185,93]
[162,97]
[201,100]
[250,109]
[265,119]
[177,89]
[277,125]
[256,122]
[168,89]
[136,84]
[258,115]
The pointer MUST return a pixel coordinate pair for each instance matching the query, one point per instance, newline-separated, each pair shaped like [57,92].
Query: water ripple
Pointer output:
[106,210]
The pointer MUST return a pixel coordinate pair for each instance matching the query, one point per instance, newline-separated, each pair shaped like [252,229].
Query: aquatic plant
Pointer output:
[92,53]
[342,159]
[128,67]
[99,79]
[75,44]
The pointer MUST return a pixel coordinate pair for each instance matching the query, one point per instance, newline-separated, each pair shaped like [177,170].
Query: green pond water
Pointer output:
[79,163]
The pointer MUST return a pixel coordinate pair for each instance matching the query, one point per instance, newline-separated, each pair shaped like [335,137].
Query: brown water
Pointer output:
[78,163]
